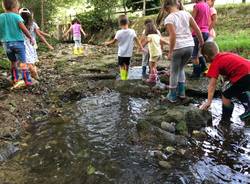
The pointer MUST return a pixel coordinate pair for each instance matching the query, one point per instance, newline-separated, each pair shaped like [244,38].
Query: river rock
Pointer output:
[168,127]
[165,164]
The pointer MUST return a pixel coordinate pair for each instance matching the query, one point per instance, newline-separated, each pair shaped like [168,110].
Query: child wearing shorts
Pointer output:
[11,36]
[125,38]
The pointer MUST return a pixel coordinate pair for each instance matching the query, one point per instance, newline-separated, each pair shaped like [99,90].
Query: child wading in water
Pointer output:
[178,24]
[201,14]
[125,38]
[155,52]
[76,29]
[30,50]
[11,35]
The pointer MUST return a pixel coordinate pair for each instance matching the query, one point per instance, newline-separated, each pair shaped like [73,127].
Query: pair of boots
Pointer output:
[177,92]
[200,68]
[123,74]
[144,71]
[25,75]
[78,51]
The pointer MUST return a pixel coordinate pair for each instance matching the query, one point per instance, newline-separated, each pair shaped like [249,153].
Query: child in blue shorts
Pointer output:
[11,36]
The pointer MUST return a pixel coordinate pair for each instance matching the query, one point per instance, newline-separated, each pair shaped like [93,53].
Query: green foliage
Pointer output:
[4,63]
[135,5]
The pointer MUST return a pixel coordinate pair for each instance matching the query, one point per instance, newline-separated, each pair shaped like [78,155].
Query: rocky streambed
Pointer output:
[80,125]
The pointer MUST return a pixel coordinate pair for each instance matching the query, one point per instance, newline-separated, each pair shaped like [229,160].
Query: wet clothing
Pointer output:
[9,27]
[230,65]
[181,22]
[125,38]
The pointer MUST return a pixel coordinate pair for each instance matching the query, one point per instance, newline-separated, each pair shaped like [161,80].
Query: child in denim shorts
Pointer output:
[11,29]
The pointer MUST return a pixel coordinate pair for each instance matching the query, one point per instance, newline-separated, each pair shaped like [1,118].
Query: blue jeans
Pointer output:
[197,44]
[15,51]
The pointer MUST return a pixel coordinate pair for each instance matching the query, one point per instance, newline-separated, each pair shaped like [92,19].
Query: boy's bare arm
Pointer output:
[26,32]
[113,41]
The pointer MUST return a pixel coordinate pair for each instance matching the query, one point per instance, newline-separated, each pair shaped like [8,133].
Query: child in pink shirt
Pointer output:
[201,14]
[76,29]
[213,20]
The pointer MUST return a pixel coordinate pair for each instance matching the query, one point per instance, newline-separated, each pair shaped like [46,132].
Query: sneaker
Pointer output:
[19,84]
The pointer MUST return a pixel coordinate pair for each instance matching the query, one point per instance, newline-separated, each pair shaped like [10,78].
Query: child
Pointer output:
[178,24]
[145,55]
[30,50]
[11,35]
[125,38]
[155,51]
[76,29]
[213,20]
[201,14]
[234,68]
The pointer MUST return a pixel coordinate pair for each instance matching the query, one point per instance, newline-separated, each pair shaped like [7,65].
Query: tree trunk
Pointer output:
[243,1]
[42,15]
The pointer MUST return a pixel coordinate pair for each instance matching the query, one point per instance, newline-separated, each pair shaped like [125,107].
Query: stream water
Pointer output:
[99,146]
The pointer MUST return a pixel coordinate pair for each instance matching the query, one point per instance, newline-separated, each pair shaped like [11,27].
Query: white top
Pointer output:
[154,45]
[125,38]
[181,22]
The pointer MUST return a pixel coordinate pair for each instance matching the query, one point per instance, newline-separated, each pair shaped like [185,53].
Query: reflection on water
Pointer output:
[100,146]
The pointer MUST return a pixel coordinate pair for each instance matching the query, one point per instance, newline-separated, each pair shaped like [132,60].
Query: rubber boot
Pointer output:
[75,51]
[181,90]
[81,51]
[172,95]
[144,70]
[14,73]
[245,100]
[26,77]
[196,72]
[227,112]
[126,74]
[203,64]
[123,74]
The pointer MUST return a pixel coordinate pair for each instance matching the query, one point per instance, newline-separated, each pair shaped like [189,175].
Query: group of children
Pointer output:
[187,34]
[18,35]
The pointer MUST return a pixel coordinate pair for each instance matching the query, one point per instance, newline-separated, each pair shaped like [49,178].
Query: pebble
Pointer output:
[165,164]
[168,127]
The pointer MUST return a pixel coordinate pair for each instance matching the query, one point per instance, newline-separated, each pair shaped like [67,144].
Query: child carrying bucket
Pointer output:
[76,29]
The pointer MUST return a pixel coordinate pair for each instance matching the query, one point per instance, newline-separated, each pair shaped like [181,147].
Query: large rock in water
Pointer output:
[185,118]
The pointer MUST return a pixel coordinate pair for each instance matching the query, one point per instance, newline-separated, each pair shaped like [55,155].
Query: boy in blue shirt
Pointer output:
[11,29]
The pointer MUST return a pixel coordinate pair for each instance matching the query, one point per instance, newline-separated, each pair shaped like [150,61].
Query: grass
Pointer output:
[233,29]
[4,63]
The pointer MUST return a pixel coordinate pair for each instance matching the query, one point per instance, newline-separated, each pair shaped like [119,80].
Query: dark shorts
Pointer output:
[197,44]
[238,88]
[124,61]
[15,51]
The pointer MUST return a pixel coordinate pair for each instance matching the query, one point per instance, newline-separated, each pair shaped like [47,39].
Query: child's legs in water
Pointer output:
[179,60]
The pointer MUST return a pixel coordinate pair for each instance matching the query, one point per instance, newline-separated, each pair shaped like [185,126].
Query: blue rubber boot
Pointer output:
[26,77]
[144,70]
[196,72]
[172,95]
[181,90]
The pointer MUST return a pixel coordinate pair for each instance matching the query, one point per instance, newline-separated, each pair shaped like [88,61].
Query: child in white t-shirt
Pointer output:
[178,23]
[125,38]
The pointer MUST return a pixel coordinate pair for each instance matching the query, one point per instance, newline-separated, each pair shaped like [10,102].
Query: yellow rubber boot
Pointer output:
[81,51]
[123,74]
[126,74]
[75,51]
